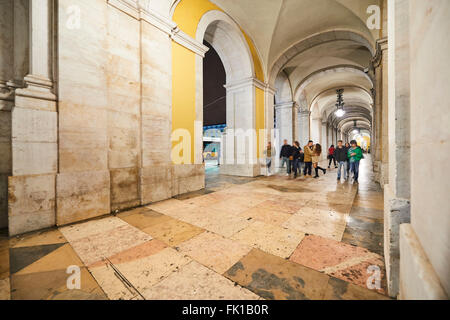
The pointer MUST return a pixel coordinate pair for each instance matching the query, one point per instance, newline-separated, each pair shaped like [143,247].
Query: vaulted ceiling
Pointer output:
[310,48]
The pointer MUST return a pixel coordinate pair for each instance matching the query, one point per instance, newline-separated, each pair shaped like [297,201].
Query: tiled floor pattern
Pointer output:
[265,238]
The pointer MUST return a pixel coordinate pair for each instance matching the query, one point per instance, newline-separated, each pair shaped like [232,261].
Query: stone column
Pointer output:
[6,103]
[385,116]
[316,129]
[381,152]
[240,139]
[303,125]
[397,193]
[34,130]
[324,140]
[286,117]
[271,134]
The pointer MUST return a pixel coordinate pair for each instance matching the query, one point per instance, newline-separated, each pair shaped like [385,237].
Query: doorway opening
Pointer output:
[214,109]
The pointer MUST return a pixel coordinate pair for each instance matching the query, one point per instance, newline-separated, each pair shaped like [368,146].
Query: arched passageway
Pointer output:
[103,106]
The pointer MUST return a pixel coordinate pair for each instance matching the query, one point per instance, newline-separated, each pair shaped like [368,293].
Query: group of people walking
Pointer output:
[346,158]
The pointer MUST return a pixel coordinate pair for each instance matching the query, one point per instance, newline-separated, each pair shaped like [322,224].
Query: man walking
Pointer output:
[355,155]
[285,154]
[341,155]
[269,152]
[308,151]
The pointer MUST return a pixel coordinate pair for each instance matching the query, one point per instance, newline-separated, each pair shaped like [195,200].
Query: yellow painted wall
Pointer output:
[183,87]
[187,15]
[260,120]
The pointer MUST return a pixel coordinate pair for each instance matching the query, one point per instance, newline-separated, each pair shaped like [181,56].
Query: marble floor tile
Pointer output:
[173,232]
[269,238]
[266,215]
[61,258]
[140,251]
[224,224]
[38,239]
[86,229]
[289,207]
[366,233]
[234,206]
[274,278]
[167,205]
[214,251]
[96,247]
[367,213]
[324,223]
[196,282]
[377,205]
[111,283]
[22,257]
[53,285]
[341,290]
[204,201]
[331,206]
[5,293]
[145,219]
[145,273]
[339,260]
[4,259]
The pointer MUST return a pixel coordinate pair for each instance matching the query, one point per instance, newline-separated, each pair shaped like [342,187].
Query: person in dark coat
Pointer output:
[299,158]
[341,155]
[285,154]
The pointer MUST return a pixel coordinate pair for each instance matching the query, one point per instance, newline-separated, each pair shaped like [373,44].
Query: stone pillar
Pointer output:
[6,103]
[398,192]
[324,140]
[424,244]
[316,130]
[381,150]
[385,117]
[34,130]
[303,126]
[271,134]
[240,140]
[286,114]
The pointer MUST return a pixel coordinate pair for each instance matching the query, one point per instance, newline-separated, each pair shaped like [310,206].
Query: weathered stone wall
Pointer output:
[425,245]
[6,62]
[115,97]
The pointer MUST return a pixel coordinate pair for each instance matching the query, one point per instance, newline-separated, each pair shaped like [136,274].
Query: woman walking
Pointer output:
[316,158]
[347,147]
[331,156]
[299,157]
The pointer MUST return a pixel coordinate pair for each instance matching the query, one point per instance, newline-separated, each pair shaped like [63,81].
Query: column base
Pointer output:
[418,279]
[241,170]
[396,212]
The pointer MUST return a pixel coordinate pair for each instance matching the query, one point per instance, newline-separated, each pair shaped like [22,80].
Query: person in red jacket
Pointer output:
[331,156]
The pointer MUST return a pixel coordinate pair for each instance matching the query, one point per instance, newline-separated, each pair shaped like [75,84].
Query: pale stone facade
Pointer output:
[96,96]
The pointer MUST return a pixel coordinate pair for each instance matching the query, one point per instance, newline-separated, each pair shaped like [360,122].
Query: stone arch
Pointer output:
[225,36]
[313,41]
[325,72]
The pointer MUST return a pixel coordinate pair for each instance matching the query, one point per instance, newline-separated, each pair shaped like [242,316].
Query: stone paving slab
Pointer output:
[97,246]
[275,278]
[339,260]
[269,238]
[214,251]
[325,223]
[173,232]
[196,282]
[341,290]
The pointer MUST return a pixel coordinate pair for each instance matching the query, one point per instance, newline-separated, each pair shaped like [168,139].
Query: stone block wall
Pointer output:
[425,243]
[105,144]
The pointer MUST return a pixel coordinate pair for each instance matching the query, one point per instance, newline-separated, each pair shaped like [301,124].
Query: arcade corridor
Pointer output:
[141,140]
[263,238]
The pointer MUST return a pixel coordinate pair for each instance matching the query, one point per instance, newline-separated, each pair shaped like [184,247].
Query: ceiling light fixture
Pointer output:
[340,112]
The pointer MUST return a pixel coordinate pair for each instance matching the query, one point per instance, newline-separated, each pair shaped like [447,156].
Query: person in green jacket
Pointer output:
[355,155]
